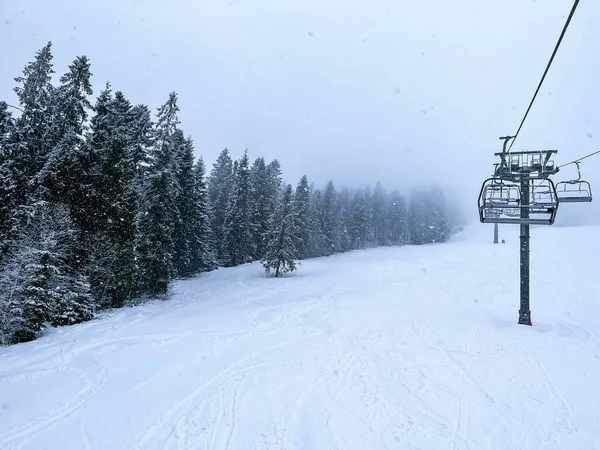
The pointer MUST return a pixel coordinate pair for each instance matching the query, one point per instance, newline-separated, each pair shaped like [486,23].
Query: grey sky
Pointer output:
[390,90]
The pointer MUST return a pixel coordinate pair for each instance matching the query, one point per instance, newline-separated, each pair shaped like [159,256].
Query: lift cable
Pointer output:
[579,159]
[546,71]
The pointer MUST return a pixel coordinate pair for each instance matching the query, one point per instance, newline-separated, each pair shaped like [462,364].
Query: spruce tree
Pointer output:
[396,219]
[203,257]
[378,208]
[8,177]
[329,219]
[220,185]
[344,206]
[36,99]
[36,285]
[115,194]
[318,241]
[301,207]
[275,183]
[186,205]
[238,222]
[76,304]
[281,250]
[359,221]
[262,205]
[158,213]
[65,175]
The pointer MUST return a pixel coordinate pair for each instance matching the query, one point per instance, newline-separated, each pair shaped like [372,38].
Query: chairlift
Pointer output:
[505,196]
[536,163]
[574,191]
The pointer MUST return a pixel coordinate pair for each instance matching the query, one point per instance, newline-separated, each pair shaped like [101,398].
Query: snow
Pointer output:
[395,348]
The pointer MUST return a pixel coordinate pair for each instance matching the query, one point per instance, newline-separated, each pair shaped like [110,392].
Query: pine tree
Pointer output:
[427,221]
[238,222]
[76,305]
[186,205]
[275,183]
[66,172]
[329,219]
[36,278]
[301,207]
[359,221]
[281,250]
[36,95]
[158,214]
[262,205]
[378,208]
[7,128]
[220,185]
[344,207]
[8,182]
[203,257]
[318,241]
[115,194]
[396,218]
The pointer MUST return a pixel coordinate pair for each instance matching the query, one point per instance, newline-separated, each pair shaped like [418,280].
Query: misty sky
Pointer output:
[391,90]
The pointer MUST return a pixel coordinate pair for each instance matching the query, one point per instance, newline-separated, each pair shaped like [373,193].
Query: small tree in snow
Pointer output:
[281,249]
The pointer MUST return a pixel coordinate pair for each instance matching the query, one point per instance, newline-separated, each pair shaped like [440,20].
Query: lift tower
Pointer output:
[520,193]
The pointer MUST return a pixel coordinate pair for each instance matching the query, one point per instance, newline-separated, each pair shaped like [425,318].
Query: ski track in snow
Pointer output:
[413,347]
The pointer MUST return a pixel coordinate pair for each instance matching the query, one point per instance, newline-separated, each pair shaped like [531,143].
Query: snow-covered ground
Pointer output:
[395,348]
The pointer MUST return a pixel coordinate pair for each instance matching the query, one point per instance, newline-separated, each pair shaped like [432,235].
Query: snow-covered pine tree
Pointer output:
[158,213]
[427,222]
[344,207]
[378,208]
[100,142]
[36,278]
[66,173]
[318,241]
[36,97]
[76,304]
[7,128]
[329,219]
[281,251]
[8,183]
[359,221]
[220,185]
[370,238]
[301,206]
[29,145]
[203,257]
[113,202]
[8,204]
[396,219]
[437,214]
[275,184]
[262,205]
[186,205]
[238,222]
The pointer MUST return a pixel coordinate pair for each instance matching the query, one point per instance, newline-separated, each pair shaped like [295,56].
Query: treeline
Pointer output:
[104,205]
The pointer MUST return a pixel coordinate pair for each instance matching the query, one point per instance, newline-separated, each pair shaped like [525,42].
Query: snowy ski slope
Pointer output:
[395,348]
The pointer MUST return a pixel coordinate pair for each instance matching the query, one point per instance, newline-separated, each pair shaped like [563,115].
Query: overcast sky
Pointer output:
[355,91]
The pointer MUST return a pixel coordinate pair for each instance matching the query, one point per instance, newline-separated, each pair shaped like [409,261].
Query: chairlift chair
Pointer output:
[536,162]
[574,191]
[498,194]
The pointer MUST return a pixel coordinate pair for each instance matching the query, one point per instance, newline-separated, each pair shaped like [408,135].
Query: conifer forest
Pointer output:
[103,203]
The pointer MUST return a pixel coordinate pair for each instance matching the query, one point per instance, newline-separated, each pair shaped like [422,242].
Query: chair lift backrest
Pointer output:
[574,191]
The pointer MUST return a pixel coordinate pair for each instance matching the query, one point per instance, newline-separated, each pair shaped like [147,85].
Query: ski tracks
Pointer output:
[469,387]
[568,416]
[90,383]
[169,425]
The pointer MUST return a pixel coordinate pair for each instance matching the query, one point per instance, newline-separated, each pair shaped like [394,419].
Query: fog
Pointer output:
[396,91]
